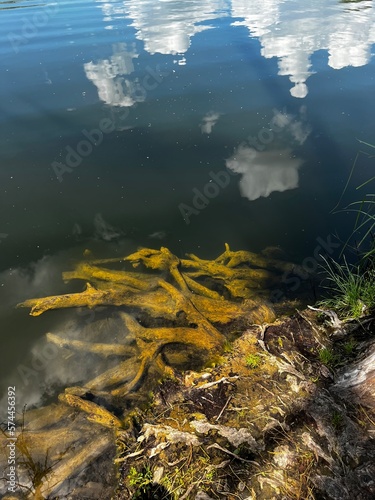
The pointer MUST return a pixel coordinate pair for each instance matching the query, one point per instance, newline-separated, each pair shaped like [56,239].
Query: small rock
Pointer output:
[283,456]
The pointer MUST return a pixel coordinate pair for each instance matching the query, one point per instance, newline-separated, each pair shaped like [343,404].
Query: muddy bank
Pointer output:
[275,419]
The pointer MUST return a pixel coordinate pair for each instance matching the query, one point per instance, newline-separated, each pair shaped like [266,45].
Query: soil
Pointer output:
[277,430]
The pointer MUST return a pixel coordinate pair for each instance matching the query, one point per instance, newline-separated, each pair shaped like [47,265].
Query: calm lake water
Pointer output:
[182,123]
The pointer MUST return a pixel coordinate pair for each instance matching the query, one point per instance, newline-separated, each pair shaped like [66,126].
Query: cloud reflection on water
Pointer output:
[287,30]
[264,172]
[277,169]
[108,75]
[292,32]
[209,121]
[166,27]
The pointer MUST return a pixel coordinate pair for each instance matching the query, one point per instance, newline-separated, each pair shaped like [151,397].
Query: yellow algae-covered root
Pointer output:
[157,303]
[103,350]
[199,337]
[51,447]
[201,289]
[85,271]
[194,307]
[192,310]
[145,292]
[161,259]
[75,463]
[224,311]
[194,315]
[152,341]
[256,278]
[119,374]
[95,412]
[90,297]
[233,259]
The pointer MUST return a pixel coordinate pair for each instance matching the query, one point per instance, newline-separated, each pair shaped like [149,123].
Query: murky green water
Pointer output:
[177,123]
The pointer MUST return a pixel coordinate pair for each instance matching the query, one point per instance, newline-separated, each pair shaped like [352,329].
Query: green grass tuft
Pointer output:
[253,360]
[327,356]
[141,480]
[349,346]
[352,289]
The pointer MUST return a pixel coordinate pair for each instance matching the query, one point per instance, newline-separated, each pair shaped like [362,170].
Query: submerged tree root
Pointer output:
[173,312]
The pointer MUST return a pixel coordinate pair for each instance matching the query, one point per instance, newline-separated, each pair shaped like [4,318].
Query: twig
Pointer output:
[131,455]
[187,492]
[215,445]
[336,323]
[263,345]
[225,380]
[265,388]
[172,464]
[223,409]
